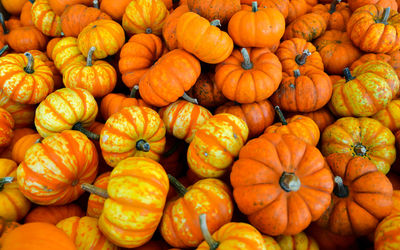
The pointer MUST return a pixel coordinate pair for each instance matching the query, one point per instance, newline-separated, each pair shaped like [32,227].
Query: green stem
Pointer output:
[189,99]
[96,4]
[180,189]
[134,91]
[32,1]
[29,67]
[333,6]
[296,73]
[347,75]
[246,64]
[340,190]
[213,244]
[360,149]
[254,6]
[4,181]
[5,47]
[215,23]
[149,31]
[301,59]
[3,24]
[289,182]
[280,115]
[78,126]
[385,16]
[89,59]
[95,190]
[143,145]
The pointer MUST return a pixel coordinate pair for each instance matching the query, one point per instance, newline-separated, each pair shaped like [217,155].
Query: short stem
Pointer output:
[95,190]
[143,145]
[246,64]
[215,23]
[347,75]
[89,59]
[280,115]
[96,4]
[149,31]
[32,1]
[254,6]
[385,17]
[78,126]
[360,149]
[333,6]
[3,24]
[134,90]
[29,67]
[171,151]
[289,182]
[5,47]
[180,189]
[213,244]
[301,59]
[296,73]
[340,190]
[189,99]
[5,180]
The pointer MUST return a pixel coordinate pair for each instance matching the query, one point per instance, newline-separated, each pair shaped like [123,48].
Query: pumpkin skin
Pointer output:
[144,16]
[137,56]
[157,88]
[95,202]
[128,220]
[389,116]
[22,39]
[215,9]
[23,114]
[21,86]
[262,27]
[13,7]
[386,233]
[252,81]
[22,145]
[337,51]
[208,43]
[328,240]
[215,145]
[6,128]
[355,4]
[169,27]
[395,200]
[106,35]
[63,108]
[335,14]
[300,241]
[76,17]
[45,19]
[26,15]
[322,117]
[364,137]
[307,92]
[114,9]
[206,92]
[183,118]
[18,134]
[258,116]
[37,235]
[14,205]
[60,5]
[56,183]
[6,227]
[66,52]
[85,233]
[179,226]
[261,201]
[367,198]
[113,103]
[270,243]
[308,27]
[53,214]
[282,6]
[292,55]
[366,31]
[125,130]
[299,8]
[56,74]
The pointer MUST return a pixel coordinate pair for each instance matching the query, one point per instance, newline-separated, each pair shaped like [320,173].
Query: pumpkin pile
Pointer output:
[188,124]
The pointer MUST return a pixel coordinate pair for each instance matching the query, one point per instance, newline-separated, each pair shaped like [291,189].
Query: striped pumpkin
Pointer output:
[390,115]
[300,241]
[270,243]
[53,170]
[23,114]
[6,128]
[95,202]
[66,52]
[387,233]
[85,233]
[45,19]
[133,131]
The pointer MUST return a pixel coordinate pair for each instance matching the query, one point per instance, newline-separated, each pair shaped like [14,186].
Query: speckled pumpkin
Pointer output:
[6,128]
[45,19]
[66,52]
[95,202]
[387,233]
[309,27]
[23,114]
[300,241]
[390,116]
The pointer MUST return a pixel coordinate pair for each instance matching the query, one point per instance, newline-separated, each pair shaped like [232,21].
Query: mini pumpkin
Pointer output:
[386,233]
[6,128]
[355,4]
[45,19]
[26,38]
[57,78]
[389,116]
[322,117]
[23,114]
[298,241]
[215,9]
[298,8]
[169,27]
[65,52]
[53,214]
[309,27]
[22,145]
[336,14]
[206,92]
[114,9]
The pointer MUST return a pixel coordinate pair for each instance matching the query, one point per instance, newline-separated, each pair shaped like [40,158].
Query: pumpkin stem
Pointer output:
[360,149]
[171,151]
[385,16]
[213,244]
[301,59]
[254,6]
[246,64]
[32,1]
[149,31]
[96,4]
[215,23]
[180,189]
[340,190]
[29,67]
[95,190]
[281,116]
[89,59]
[189,99]
[134,90]
[333,6]
[289,182]
[296,73]
[5,180]
[347,75]
[3,24]
[78,126]
[5,47]
[143,145]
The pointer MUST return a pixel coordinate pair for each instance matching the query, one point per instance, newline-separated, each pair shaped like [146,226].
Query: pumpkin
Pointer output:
[133,131]
[297,53]
[6,227]
[389,116]
[203,39]
[13,7]
[6,128]
[114,9]
[231,235]
[14,205]
[206,92]
[386,233]
[183,118]
[23,114]
[356,96]
[215,145]
[169,27]
[363,137]
[270,243]
[76,17]
[336,14]
[300,241]
[18,134]
[322,117]
[395,200]
[70,159]
[262,27]
[144,16]
[24,79]
[22,39]
[85,233]
[45,19]
[99,77]
[106,35]
[337,51]
[308,27]
[137,56]
[367,25]
[355,4]
[66,52]
[169,78]
[249,75]
[22,145]
[258,116]
[222,10]
[282,6]
[50,46]
[56,74]
[328,240]
[301,126]
[60,5]
[180,226]
[298,8]
[95,202]
[276,181]
[53,214]
[26,15]
[305,92]
[362,196]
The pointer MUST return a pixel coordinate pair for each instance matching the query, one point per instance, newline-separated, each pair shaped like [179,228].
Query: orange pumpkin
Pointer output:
[386,233]
[389,116]
[6,227]
[26,38]
[299,8]
[322,117]
[115,9]
[45,19]
[65,52]
[215,9]
[53,214]
[22,145]
[26,15]
[6,128]
[206,92]
[95,202]
[169,27]
[309,27]
[23,114]
[18,134]
[336,14]
[13,7]
[60,5]
[355,4]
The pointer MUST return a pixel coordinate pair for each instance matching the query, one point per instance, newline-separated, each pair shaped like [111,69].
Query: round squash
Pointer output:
[53,214]
[215,9]
[45,19]
[386,233]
